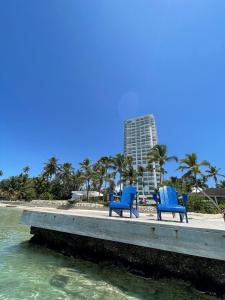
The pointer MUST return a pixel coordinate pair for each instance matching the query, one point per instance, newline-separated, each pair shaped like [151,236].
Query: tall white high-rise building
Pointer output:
[140,135]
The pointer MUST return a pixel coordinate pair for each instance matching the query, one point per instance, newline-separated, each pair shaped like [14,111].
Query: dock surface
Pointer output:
[203,236]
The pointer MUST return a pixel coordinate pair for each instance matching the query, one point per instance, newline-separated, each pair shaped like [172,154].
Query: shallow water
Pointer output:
[33,272]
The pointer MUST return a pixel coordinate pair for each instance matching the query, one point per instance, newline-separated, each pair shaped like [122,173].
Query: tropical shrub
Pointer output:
[46,196]
[199,204]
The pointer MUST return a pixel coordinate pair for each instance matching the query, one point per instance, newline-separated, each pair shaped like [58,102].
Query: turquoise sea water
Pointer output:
[33,272]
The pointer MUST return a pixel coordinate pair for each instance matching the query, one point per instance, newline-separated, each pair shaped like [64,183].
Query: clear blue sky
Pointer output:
[68,69]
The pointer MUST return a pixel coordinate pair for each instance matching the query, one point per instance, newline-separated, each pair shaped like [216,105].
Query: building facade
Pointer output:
[140,135]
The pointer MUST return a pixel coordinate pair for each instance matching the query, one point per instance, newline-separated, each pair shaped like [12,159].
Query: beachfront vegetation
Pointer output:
[57,180]
[221,184]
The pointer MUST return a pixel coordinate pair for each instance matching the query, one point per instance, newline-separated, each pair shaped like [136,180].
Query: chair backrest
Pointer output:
[128,195]
[168,196]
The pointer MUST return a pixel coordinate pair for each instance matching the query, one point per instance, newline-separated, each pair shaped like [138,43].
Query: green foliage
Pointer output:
[214,172]
[129,174]
[200,204]
[157,157]
[177,183]
[222,206]
[19,187]
[57,180]
[46,196]
[30,194]
[193,173]
[119,162]
[222,184]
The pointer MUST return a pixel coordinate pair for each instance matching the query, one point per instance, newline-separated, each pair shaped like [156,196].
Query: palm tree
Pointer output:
[1,173]
[18,187]
[87,174]
[129,173]
[193,170]
[41,185]
[65,178]
[106,163]
[26,170]
[77,180]
[140,174]
[213,172]
[51,168]
[99,176]
[157,157]
[119,162]
[176,182]
[110,177]
[111,182]
[65,171]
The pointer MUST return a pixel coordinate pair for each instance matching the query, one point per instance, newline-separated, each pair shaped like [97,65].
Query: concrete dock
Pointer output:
[203,236]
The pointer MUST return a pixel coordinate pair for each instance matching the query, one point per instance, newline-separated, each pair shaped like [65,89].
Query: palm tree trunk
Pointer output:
[215,179]
[120,184]
[161,178]
[87,190]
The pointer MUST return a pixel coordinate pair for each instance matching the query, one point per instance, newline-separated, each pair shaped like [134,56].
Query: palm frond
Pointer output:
[204,163]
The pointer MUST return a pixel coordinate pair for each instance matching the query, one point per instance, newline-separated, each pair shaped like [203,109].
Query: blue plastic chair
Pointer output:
[167,201]
[125,203]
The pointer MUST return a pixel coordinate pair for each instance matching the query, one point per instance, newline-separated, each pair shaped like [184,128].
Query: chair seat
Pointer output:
[119,205]
[175,208]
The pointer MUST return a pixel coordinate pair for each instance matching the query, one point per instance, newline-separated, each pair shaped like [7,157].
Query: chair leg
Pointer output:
[160,216]
[135,212]
[121,213]
[181,217]
[110,212]
[186,217]
[130,213]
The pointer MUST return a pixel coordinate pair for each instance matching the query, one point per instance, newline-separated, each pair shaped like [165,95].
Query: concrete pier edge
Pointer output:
[193,252]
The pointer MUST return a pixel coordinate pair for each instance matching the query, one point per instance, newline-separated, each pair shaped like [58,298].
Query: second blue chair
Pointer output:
[167,201]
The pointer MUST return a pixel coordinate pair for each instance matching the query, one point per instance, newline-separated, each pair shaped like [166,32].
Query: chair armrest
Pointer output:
[185,199]
[155,197]
[116,196]
[112,196]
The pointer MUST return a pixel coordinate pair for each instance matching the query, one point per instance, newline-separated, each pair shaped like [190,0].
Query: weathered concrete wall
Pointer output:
[179,238]
[204,274]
